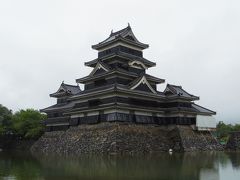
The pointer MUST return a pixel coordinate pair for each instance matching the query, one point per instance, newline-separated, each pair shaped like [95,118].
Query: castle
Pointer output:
[118,89]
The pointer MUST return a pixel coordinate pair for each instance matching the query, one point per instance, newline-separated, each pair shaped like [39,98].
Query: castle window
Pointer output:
[131,51]
[108,51]
[61,100]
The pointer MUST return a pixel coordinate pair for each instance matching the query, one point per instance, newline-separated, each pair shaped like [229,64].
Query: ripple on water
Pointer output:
[197,165]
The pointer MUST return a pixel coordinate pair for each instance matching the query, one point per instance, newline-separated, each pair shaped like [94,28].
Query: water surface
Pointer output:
[208,165]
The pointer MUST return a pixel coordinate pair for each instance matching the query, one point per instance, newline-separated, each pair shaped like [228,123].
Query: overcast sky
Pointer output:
[196,44]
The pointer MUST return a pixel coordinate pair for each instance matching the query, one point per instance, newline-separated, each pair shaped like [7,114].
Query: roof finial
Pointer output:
[129,27]
[63,82]
[111,31]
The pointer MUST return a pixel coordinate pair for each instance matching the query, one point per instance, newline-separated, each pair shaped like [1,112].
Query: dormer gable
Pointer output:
[99,68]
[142,84]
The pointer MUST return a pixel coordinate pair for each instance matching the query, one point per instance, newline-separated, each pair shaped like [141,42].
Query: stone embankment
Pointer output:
[234,141]
[120,138]
[197,140]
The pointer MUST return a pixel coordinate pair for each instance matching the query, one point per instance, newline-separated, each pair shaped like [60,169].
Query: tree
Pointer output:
[28,123]
[236,127]
[223,130]
[5,120]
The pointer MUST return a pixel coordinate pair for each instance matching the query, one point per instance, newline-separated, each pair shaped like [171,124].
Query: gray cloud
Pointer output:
[194,43]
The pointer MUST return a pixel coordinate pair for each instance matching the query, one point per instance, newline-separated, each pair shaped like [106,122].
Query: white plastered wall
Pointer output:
[204,123]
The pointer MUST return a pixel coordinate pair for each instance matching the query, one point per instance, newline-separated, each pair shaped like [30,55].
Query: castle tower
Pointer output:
[118,89]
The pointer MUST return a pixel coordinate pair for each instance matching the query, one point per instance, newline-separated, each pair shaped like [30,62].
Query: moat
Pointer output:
[197,165]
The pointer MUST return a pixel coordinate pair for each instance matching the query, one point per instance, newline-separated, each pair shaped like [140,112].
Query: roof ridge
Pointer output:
[174,85]
[70,85]
[119,31]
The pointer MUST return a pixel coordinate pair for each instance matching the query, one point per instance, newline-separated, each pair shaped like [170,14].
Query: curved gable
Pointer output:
[137,64]
[143,84]
[99,68]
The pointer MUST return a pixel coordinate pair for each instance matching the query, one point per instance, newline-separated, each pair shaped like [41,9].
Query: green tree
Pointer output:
[28,123]
[5,120]
[236,127]
[223,130]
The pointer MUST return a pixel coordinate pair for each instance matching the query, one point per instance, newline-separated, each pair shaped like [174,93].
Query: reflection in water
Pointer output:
[235,160]
[160,166]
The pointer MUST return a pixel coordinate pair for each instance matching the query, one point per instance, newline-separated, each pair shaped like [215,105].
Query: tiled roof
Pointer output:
[66,89]
[155,79]
[123,55]
[60,106]
[179,91]
[73,89]
[202,109]
[122,34]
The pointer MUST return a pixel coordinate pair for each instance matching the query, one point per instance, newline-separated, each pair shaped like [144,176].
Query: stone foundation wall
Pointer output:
[197,140]
[234,141]
[118,138]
